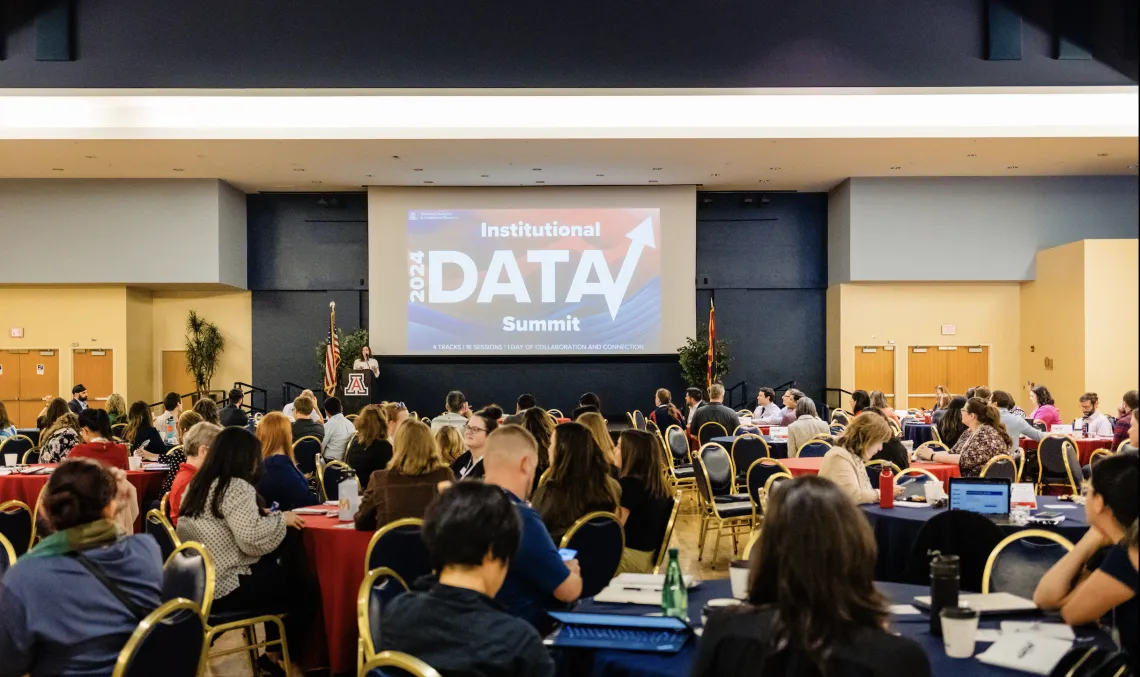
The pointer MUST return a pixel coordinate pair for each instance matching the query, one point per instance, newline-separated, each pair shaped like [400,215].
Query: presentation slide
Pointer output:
[534,281]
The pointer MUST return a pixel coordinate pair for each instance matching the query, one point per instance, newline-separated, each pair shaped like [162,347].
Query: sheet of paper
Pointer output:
[1061,506]
[987,635]
[903,610]
[1027,652]
[1023,493]
[1054,630]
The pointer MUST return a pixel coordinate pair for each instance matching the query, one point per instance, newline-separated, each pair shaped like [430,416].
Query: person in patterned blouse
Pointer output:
[60,439]
[985,437]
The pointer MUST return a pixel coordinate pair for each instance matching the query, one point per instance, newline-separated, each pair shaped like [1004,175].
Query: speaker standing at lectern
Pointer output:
[366,361]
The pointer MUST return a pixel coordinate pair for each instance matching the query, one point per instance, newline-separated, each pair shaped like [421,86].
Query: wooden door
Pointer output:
[95,368]
[10,385]
[968,367]
[926,368]
[875,370]
[39,382]
[175,377]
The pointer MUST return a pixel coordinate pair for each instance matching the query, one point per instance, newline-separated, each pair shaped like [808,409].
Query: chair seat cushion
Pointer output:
[732,498]
[685,472]
[739,509]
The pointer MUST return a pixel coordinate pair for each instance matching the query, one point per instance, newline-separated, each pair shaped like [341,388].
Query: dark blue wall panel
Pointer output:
[307,241]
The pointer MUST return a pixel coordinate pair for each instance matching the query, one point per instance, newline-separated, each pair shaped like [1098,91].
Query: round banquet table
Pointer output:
[896,530]
[810,466]
[27,488]
[778,447]
[919,433]
[336,553]
[1085,446]
[612,663]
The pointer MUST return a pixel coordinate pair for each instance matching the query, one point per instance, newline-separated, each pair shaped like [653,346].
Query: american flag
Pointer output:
[332,354]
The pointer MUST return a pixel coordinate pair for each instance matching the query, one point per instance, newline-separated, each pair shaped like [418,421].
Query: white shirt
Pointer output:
[448,418]
[338,433]
[288,411]
[1099,425]
[167,424]
[370,363]
[769,414]
[693,410]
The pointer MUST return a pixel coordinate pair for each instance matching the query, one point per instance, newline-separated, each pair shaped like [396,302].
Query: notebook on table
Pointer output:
[657,634]
[989,604]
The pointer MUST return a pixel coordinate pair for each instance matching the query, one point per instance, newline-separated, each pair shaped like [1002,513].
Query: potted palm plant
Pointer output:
[204,346]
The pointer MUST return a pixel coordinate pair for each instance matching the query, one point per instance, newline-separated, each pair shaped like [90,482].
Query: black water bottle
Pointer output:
[943,588]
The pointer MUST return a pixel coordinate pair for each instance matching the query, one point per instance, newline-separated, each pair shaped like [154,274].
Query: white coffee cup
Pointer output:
[738,576]
[959,625]
[932,491]
[11,460]
[134,462]
[908,445]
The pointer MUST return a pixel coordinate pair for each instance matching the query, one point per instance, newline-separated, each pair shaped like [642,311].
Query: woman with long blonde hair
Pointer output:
[450,442]
[845,463]
[410,481]
[369,449]
[596,424]
[281,482]
[579,482]
[116,408]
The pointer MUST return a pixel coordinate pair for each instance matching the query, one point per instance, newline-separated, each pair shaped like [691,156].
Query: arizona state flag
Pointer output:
[712,342]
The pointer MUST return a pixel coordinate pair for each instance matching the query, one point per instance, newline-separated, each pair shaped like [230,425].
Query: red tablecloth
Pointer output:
[810,466]
[336,553]
[27,488]
[1085,446]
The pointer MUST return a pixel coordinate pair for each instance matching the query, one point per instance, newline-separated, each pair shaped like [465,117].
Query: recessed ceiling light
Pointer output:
[540,182]
[429,181]
[298,169]
[395,157]
[57,169]
[1102,154]
[774,169]
[896,167]
[657,169]
[316,182]
[971,155]
[485,176]
[418,169]
[89,157]
[536,169]
[599,174]
[714,174]
[368,176]
[765,181]
[652,180]
[1012,167]
[179,169]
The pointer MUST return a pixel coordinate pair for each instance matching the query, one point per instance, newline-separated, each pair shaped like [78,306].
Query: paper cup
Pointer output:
[11,460]
[738,576]
[959,625]
[932,491]
[134,462]
[908,445]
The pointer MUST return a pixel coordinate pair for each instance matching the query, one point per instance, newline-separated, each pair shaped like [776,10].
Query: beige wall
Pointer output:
[1112,275]
[913,315]
[230,311]
[140,342]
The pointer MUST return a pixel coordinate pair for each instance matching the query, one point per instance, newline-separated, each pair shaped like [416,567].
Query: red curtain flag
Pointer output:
[712,342]
[332,354]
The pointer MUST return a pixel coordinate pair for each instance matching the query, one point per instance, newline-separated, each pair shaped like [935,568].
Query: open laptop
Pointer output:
[988,496]
[659,634]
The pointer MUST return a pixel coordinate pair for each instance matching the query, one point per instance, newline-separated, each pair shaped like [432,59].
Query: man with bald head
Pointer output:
[537,575]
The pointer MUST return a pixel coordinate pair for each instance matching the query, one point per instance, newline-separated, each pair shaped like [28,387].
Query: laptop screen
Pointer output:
[980,495]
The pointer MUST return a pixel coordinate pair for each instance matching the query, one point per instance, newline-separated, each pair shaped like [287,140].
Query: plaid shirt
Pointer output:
[1120,430]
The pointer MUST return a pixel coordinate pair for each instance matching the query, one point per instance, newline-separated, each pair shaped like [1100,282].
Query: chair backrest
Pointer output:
[7,555]
[399,547]
[556,413]
[743,429]
[1002,466]
[599,540]
[837,429]
[970,536]
[305,451]
[170,641]
[396,664]
[164,505]
[840,416]
[332,475]
[709,430]
[747,449]
[813,449]
[674,509]
[934,434]
[757,476]
[678,443]
[17,525]
[1020,560]
[17,444]
[119,429]
[718,465]
[189,574]
[1058,461]
[651,427]
[919,474]
[875,470]
[162,531]
[379,587]
[638,420]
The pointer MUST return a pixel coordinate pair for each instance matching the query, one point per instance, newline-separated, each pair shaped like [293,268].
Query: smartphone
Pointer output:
[568,554]
[1047,515]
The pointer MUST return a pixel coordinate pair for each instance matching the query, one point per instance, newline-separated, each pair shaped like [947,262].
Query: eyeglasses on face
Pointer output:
[473,430]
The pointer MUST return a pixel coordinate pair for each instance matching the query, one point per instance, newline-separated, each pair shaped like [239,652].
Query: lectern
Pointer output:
[357,390]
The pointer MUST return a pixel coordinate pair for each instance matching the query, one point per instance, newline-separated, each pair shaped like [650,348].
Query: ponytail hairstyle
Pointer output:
[988,414]
[1092,398]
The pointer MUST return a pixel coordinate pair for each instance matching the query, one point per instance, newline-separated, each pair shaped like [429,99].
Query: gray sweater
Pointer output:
[1016,427]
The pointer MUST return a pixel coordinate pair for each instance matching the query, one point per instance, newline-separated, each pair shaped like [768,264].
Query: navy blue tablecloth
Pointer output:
[915,627]
[919,433]
[777,447]
[896,530]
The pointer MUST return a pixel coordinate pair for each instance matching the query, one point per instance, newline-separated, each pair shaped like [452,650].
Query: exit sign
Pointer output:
[17,332]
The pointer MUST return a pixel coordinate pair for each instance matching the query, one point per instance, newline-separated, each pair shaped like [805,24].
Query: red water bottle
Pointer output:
[886,488]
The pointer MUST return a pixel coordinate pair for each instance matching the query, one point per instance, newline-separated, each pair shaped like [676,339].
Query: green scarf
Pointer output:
[82,537]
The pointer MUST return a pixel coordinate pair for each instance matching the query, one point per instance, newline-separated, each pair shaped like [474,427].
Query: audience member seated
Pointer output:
[586,403]
[141,434]
[78,402]
[525,402]
[879,401]
[845,463]
[941,401]
[95,429]
[338,431]
[1015,425]
[370,449]
[1086,596]
[470,464]
[694,400]
[6,428]
[767,412]
[208,410]
[812,607]
[409,483]
[645,500]
[456,413]
[303,425]
[167,422]
[55,408]
[255,562]
[196,443]
[80,632]
[175,457]
[59,439]
[396,413]
[116,408]
[806,426]
[788,413]
[860,400]
[950,426]
[450,441]
[579,482]
[232,414]
[452,622]
[282,484]
[536,577]
[714,411]
[1043,407]
[315,415]
[893,449]
[983,392]
[984,438]
[1128,404]
[665,412]
[600,431]
[541,426]
[1097,422]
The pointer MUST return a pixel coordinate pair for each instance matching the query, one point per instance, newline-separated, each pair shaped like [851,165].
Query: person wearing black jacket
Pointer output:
[232,414]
